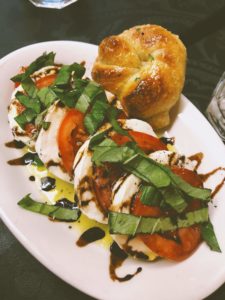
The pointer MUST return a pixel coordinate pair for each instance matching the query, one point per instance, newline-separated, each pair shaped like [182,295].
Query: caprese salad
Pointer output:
[152,198]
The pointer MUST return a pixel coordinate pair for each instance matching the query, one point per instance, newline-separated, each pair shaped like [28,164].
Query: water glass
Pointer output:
[52,3]
[216,109]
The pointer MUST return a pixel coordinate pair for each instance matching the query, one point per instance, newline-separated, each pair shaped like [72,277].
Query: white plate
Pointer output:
[87,268]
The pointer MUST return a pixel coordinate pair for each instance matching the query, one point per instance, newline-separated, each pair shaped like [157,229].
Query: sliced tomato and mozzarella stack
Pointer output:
[25,105]
[176,245]
[94,184]
[157,207]
[58,145]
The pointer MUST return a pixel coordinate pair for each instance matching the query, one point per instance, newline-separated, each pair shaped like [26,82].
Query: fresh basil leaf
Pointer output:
[27,116]
[94,119]
[96,139]
[29,87]
[121,223]
[29,102]
[55,212]
[63,76]
[161,176]
[112,114]
[89,93]
[40,118]
[194,192]
[150,195]
[42,61]
[46,96]
[78,70]
[101,149]
[147,170]
[45,125]
[173,197]
[209,236]
[65,73]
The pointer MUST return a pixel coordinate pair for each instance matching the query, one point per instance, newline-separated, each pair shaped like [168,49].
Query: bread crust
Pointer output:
[144,67]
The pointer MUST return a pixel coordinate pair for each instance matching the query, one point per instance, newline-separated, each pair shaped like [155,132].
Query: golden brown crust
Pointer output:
[145,67]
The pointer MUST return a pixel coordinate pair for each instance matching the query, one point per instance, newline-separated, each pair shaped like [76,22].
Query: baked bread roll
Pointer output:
[145,68]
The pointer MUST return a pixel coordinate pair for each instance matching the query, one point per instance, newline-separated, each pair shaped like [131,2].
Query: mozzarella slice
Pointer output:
[125,190]
[13,109]
[84,171]
[47,142]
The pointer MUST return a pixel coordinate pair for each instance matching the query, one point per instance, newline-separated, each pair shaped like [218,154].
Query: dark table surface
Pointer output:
[22,276]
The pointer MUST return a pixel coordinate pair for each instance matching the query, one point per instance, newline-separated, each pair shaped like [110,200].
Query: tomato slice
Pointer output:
[188,240]
[104,177]
[71,136]
[145,141]
[139,209]
[45,81]
[179,244]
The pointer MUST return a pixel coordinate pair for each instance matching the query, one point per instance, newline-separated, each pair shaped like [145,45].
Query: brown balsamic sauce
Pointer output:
[218,187]
[26,159]
[198,158]
[64,202]
[15,144]
[89,236]
[51,163]
[206,176]
[32,178]
[47,183]
[167,140]
[117,257]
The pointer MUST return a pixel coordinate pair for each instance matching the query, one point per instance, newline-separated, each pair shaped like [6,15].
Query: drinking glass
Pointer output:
[216,109]
[52,3]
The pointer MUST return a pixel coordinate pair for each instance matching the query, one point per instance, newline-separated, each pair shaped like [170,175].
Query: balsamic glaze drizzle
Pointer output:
[117,257]
[89,236]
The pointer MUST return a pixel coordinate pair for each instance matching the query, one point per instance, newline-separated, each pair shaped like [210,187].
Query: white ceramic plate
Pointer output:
[87,268]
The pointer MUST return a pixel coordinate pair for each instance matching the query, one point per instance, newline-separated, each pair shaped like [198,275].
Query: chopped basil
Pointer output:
[29,87]
[121,223]
[89,93]
[96,139]
[67,71]
[46,96]
[27,116]
[209,236]
[112,114]
[173,197]
[161,176]
[108,151]
[63,77]
[150,195]
[26,101]
[42,61]
[55,212]
[45,125]
[147,170]
[40,118]
[96,116]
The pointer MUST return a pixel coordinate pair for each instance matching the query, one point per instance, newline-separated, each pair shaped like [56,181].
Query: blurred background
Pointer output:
[21,23]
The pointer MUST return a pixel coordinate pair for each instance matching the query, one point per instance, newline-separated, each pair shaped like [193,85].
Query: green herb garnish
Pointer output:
[26,101]
[25,117]
[121,223]
[209,236]
[55,212]
[42,61]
